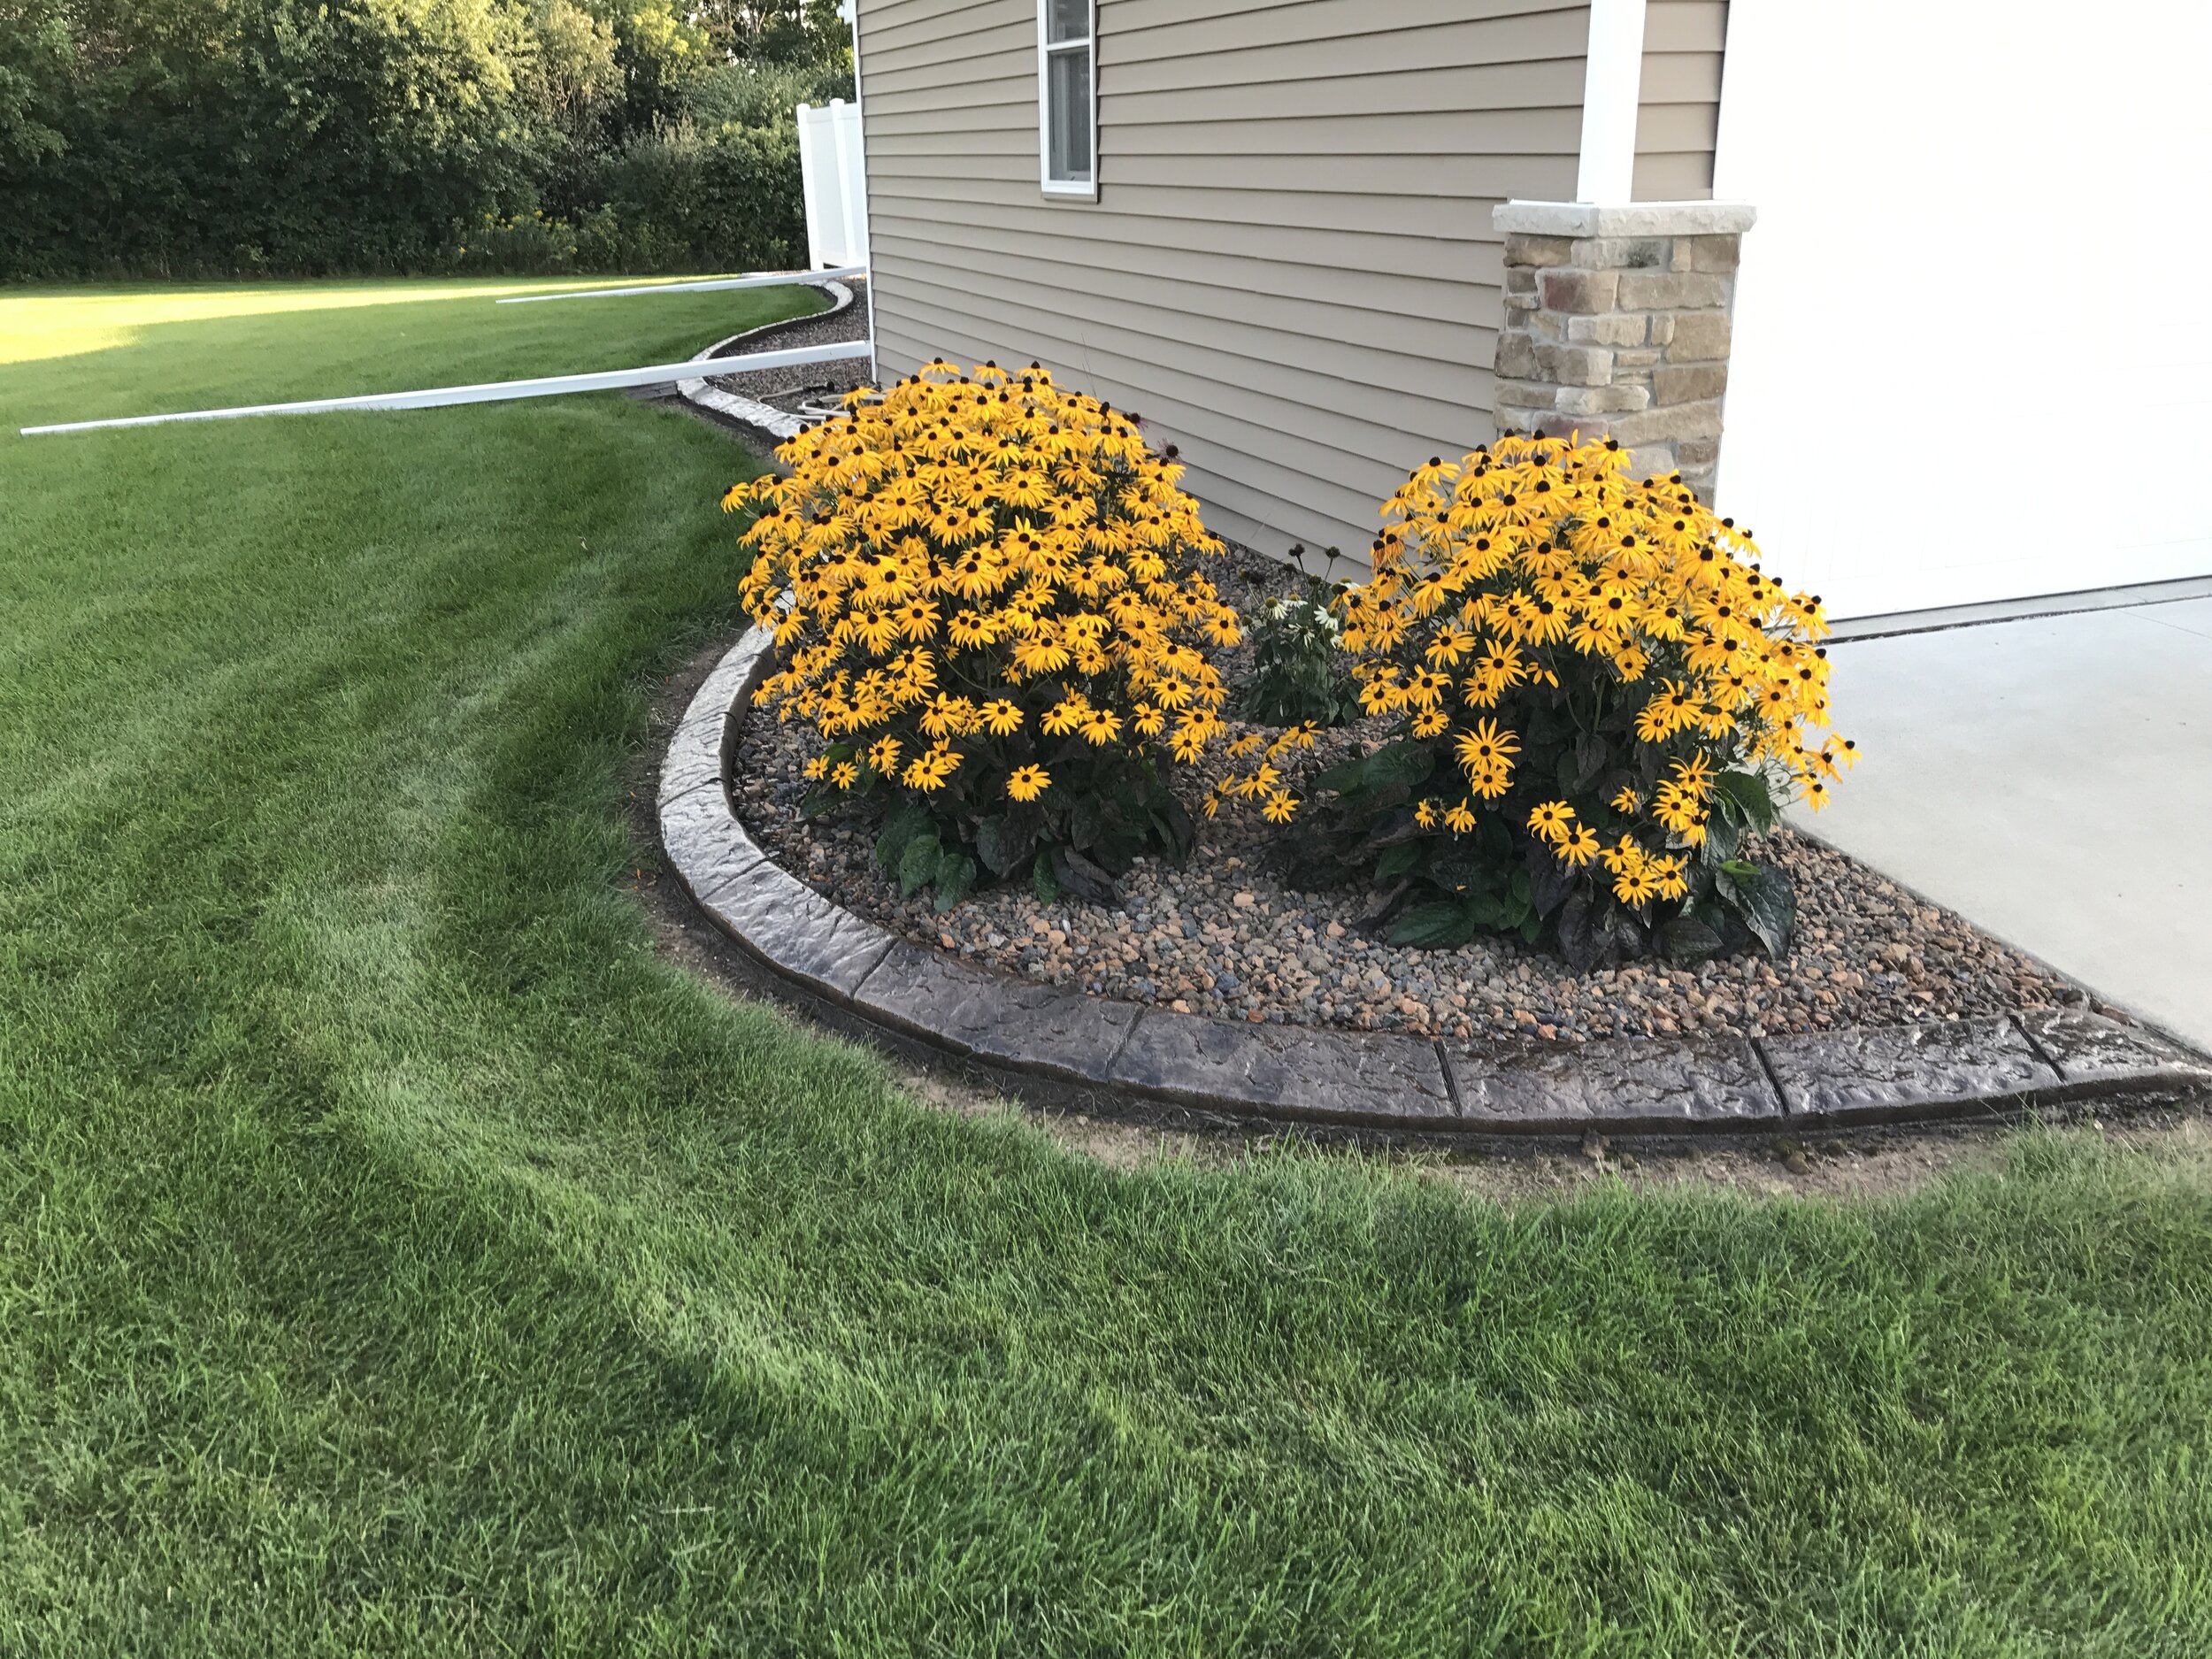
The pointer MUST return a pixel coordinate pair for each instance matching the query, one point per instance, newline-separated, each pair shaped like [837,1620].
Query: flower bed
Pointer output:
[1223,935]
[1009,664]
[786,389]
[1065,1045]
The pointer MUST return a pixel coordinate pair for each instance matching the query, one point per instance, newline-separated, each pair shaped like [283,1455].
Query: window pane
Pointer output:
[1067,19]
[1068,86]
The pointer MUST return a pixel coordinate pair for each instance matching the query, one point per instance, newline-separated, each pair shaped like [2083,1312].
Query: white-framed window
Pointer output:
[1067,98]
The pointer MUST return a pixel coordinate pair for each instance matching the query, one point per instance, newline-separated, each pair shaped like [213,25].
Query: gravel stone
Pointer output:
[787,389]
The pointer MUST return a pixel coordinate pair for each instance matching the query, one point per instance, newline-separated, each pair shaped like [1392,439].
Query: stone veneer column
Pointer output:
[1616,325]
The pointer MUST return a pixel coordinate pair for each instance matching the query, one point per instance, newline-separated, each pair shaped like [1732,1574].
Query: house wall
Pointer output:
[1924,304]
[1677,106]
[1290,272]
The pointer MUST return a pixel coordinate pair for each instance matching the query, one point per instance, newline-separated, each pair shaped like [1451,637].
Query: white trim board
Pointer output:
[710,285]
[850,9]
[1612,81]
[485,392]
[2138,596]
[1083,190]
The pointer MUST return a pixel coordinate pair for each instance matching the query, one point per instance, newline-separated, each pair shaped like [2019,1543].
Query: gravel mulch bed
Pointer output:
[1224,936]
[787,389]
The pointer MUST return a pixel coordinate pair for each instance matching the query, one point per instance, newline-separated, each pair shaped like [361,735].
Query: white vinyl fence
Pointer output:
[836,185]
[489,391]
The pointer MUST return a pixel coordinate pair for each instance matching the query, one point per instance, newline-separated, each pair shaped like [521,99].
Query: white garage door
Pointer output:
[1973,350]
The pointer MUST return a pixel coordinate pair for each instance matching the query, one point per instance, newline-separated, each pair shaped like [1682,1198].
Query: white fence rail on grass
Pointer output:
[489,391]
[704,284]
[836,184]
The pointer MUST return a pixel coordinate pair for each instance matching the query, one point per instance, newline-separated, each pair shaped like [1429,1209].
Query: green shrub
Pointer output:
[1597,695]
[995,624]
[763,95]
[683,199]
[527,243]
[727,197]
[1298,672]
[191,137]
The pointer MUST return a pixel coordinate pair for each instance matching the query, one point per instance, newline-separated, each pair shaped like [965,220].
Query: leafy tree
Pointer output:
[778,31]
[576,79]
[660,50]
[35,51]
[177,136]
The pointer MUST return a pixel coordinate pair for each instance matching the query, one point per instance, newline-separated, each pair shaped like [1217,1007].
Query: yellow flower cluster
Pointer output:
[968,564]
[1539,566]
[1639,875]
[1264,782]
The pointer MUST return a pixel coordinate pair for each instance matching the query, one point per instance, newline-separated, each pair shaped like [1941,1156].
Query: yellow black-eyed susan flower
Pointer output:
[1579,847]
[1551,820]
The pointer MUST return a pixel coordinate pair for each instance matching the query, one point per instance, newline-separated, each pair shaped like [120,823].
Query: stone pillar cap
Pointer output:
[1625,219]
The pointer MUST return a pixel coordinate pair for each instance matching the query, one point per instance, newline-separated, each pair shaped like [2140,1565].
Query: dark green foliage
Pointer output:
[752,92]
[34,58]
[1298,673]
[302,136]
[693,197]
[1442,888]
[1103,811]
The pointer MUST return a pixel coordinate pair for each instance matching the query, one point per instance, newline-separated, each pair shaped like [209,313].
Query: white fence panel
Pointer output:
[490,391]
[836,184]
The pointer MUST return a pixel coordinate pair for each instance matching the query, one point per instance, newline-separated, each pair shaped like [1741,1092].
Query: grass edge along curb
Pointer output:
[1025,1034]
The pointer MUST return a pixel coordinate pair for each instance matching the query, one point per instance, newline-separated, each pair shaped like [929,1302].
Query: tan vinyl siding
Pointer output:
[1290,270]
[1678,105]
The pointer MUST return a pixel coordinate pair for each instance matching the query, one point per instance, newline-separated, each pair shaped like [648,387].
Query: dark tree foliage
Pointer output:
[182,137]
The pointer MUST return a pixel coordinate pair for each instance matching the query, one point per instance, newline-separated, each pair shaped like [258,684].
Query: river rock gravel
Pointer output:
[791,389]
[1223,936]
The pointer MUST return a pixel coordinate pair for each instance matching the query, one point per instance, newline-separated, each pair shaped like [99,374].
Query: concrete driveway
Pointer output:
[2051,779]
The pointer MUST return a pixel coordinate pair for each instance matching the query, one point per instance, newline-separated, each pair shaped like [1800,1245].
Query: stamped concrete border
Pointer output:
[1025,1032]
[766,418]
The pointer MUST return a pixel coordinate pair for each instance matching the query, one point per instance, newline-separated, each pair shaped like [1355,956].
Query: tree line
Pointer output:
[201,137]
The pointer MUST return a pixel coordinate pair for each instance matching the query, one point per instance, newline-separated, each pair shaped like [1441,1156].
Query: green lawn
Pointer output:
[397,1257]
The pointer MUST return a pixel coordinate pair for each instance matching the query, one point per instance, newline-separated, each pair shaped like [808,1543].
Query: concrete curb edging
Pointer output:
[762,418]
[1028,1033]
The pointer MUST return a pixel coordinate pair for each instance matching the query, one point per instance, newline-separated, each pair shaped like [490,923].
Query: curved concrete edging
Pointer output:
[762,418]
[1024,1032]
